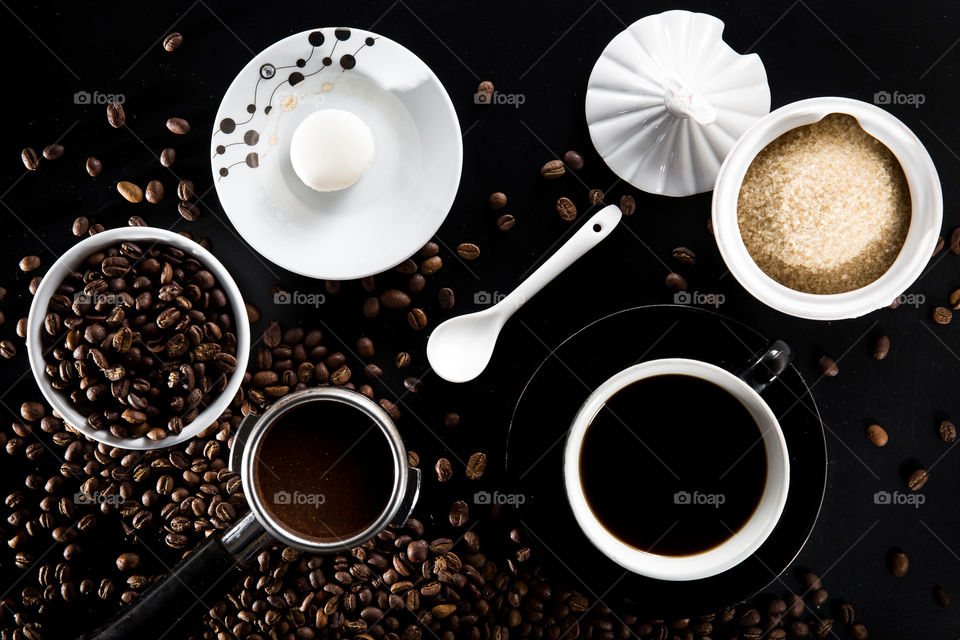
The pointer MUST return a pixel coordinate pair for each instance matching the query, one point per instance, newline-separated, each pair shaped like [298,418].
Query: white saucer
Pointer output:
[393,210]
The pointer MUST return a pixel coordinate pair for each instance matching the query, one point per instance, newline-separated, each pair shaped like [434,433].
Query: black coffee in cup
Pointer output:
[673,465]
[325,470]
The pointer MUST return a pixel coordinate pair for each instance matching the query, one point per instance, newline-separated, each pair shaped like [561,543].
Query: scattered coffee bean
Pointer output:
[476,465]
[881,348]
[847,614]
[451,420]
[185,190]
[948,432]
[506,222]
[684,256]
[819,597]
[573,160]
[178,126]
[136,221]
[172,42]
[371,307]
[553,169]
[939,246]
[955,242]
[402,360]
[53,151]
[595,197]
[628,205]
[128,561]
[29,263]
[446,298]
[497,200]
[828,367]
[676,282]
[188,211]
[468,251]
[116,116]
[431,266]
[417,319]
[823,628]
[917,479]
[7,349]
[130,191]
[32,411]
[168,156]
[444,470]
[954,299]
[942,315]
[30,159]
[566,209]
[394,299]
[94,166]
[940,597]
[811,581]
[859,632]
[484,93]
[459,513]
[154,192]
[365,348]
[877,435]
[899,564]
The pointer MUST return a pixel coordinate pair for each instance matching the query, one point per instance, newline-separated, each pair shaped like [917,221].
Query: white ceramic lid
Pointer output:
[667,100]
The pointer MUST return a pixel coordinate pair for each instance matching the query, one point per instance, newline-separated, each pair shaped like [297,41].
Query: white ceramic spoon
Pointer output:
[460,348]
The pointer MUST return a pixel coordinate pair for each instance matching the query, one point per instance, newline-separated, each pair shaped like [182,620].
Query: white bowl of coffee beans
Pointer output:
[138,338]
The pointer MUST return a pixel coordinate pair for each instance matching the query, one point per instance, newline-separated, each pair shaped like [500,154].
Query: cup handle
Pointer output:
[765,366]
[410,499]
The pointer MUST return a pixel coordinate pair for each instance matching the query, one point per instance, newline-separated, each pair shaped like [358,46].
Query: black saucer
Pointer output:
[561,384]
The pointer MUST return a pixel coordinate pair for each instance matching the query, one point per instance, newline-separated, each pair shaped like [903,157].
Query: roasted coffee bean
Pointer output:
[172,42]
[942,315]
[810,581]
[413,385]
[899,564]
[566,209]
[948,432]
[29,263]
[402,360]
[573,160]
[130,191]
[484,93]
[128,561]
[823,628]
[476,465]
[497,200]
[628,205]
[30,159]
[94,166]
[955,241]
[371,307]
[394,299]
[451,420]
[116,116]
[828,367]
[881,348]
[506,222]
[80,226]
[417,319]
[154,192]
[459,513]
[32,411]
[917,479]
[676,282]
[188,211]
[431,266]
[847,614]
[53,151]
[684,256]
[7,349]
[877,435]
[168,156]
[365,348]
[819,597]
[859,632]
[178,126]
[446,298]
[444,470]
[468,251]
[553,169]
[595,197]
[185,190]
[940,596]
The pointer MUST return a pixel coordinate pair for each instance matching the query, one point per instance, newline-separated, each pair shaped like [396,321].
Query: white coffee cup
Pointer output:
[761,523]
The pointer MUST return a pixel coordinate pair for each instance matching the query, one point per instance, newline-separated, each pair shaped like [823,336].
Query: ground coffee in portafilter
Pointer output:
[673,465]
[325,470]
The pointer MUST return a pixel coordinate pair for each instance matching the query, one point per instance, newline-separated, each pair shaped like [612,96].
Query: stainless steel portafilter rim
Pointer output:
[250,437]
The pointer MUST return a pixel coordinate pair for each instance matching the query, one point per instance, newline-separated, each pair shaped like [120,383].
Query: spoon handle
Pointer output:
[585,238]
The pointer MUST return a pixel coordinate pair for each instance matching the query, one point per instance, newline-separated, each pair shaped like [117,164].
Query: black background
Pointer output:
[543,51]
